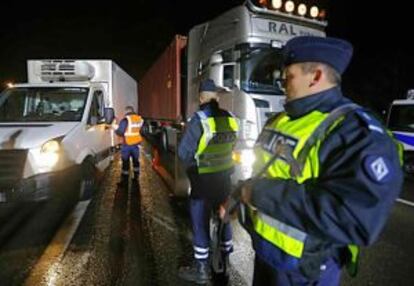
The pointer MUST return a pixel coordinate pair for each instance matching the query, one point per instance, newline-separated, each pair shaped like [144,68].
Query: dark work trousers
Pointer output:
[264,274]
[127,152]
[201,210]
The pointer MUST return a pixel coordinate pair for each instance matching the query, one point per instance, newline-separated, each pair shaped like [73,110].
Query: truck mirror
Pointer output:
[109,115]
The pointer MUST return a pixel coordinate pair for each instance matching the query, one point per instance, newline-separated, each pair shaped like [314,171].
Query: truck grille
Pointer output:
[11,167]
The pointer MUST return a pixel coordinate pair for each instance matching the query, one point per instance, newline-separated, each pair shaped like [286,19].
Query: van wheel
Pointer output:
[87,185]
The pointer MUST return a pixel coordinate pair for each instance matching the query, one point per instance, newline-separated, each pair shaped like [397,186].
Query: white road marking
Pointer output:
[405,202]
[44,272]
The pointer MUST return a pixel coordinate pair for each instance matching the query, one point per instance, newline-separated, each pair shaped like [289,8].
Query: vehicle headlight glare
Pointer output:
[50,147]
[49,153]
[244,157]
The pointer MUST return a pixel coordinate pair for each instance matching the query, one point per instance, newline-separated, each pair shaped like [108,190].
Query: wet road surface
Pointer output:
[138,234]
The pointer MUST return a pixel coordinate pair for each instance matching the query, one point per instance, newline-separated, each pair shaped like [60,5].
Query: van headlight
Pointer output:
[49,153]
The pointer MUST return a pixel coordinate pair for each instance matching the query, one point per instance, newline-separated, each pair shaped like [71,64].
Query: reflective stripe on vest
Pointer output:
[291,240]
[132,133]
[214,152]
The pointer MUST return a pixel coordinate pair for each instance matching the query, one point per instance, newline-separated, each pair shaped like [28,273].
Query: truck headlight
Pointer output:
[49,153]
[245,157]
[248,130]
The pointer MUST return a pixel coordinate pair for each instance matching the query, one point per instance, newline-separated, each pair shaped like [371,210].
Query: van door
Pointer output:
[98,133]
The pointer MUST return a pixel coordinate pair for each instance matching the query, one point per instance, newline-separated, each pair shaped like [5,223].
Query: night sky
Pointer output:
[134,34]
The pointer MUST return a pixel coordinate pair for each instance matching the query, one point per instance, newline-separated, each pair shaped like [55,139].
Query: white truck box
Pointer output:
[56,128]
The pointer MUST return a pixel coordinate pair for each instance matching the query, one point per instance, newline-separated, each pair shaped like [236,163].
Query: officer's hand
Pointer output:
[114,124]
[246,192]
[223,209]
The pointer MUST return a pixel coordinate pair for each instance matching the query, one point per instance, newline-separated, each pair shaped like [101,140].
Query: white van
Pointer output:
[54,130]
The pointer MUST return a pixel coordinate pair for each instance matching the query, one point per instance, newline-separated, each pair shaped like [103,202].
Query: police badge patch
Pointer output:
[377,168]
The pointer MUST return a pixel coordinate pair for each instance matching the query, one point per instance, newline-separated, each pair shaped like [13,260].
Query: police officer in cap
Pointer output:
[331,173]
[206,152]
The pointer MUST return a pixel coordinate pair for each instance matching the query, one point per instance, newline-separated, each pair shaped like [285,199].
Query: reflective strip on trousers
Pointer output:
[226,245]
[200,249]
[287,238]
[200,252]
[201,256]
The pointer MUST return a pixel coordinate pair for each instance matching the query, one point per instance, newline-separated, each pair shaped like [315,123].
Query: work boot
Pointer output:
[222,277]
[198,273]
[136,176]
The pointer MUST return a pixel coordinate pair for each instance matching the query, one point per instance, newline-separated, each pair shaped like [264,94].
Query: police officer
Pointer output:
[129,130]
[206,151]
[331,174]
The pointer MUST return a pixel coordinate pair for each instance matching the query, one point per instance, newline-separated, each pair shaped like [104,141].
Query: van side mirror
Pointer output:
[109,115]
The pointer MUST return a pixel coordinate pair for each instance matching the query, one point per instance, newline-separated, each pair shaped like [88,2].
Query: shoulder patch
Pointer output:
[371,123]
[377,168]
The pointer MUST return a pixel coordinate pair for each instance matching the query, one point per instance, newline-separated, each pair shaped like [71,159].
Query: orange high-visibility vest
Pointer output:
[132,134]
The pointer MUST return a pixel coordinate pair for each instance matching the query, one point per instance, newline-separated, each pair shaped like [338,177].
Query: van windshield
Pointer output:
[402,118]
[42,104]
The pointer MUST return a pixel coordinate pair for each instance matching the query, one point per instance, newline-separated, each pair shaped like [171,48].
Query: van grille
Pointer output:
[11,167]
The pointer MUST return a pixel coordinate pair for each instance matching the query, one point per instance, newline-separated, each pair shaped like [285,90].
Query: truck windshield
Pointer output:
[42,104]
[402,118]
[261,71]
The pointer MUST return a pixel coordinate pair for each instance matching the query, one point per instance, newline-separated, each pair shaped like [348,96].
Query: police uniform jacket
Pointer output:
[215,185]
[351,199]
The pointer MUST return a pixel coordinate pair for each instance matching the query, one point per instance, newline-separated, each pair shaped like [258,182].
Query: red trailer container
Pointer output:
[160,88]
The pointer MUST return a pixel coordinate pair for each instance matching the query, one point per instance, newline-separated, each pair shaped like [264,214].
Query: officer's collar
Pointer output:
[211,104]
[323,101]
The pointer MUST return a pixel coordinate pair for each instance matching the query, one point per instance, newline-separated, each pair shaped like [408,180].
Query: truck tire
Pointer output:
[87,181]
[145,129]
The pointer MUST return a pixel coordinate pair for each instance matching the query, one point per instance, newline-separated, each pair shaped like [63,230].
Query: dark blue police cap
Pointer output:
[332,51]
[208,85]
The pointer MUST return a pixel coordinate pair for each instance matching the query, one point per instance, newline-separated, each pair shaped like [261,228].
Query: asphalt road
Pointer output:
[139,235]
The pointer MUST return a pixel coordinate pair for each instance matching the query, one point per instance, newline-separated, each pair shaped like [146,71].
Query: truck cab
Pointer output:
[401,122]
[241,51]
[54,130]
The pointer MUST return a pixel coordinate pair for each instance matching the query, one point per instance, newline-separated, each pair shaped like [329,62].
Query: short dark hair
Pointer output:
[129,108]
[331,74]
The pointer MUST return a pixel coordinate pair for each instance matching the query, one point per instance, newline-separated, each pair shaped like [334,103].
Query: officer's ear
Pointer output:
[317,75]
